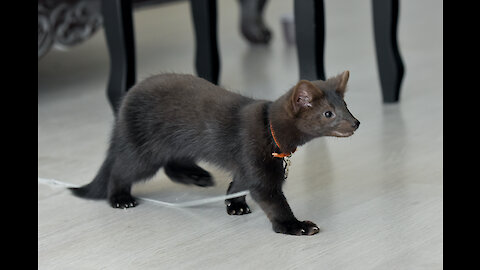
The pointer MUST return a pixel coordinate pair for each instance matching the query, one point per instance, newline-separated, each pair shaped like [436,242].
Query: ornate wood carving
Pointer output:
[65,23]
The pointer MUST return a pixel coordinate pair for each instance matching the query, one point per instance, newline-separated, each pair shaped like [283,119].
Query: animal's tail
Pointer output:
[98,188]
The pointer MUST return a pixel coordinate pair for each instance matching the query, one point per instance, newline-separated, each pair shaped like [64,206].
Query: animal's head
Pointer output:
[319,108]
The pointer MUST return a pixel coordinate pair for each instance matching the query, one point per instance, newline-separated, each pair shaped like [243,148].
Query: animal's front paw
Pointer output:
[122,201]
[237,208]
[296,227]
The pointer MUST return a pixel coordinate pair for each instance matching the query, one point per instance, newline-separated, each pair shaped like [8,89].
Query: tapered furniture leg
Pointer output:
[390,65]
[118,26]
[310,36]
[207,60]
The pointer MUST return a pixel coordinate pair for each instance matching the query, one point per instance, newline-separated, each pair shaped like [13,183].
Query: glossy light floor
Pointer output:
[376,196]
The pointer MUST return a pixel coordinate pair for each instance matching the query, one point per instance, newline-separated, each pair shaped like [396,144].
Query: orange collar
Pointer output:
[279,155]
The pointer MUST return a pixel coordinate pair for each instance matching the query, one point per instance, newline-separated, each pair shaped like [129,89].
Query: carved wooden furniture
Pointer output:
[68,22]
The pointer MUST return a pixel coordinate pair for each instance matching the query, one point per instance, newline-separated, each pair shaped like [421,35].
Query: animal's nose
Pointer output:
[356,124]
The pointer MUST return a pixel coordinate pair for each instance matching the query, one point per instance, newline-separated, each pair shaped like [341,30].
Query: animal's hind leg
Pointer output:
[185,171]
[121,197]
[123,175]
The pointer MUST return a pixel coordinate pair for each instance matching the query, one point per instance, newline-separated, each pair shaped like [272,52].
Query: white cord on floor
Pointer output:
[56,183]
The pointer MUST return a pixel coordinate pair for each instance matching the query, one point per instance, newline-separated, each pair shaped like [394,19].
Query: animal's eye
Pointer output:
[328,114]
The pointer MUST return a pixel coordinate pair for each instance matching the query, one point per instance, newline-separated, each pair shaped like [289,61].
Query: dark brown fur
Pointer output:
[172,121]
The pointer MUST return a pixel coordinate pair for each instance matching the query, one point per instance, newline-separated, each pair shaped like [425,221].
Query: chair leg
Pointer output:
[118,25]
[207,60]
[390,65]
[310,35]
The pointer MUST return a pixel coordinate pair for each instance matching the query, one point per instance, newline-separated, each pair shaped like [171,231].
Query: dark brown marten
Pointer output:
[173,121]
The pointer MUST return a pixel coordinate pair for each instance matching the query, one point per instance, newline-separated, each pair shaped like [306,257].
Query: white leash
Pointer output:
[56,183]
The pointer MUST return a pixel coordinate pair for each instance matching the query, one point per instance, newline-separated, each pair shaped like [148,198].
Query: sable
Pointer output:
[172,121]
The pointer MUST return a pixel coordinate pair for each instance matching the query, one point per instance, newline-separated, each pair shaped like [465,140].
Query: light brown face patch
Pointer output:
[319,109]
[344,129]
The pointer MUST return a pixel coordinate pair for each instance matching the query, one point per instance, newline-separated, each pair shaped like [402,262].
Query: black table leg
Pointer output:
[390,65]
[118,25]
[310,35]
[207,60]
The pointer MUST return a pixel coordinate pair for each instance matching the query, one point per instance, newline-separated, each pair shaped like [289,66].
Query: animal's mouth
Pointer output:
[342,134]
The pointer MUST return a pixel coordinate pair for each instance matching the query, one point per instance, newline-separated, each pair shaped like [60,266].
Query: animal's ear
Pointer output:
[342,83]
[303,95]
